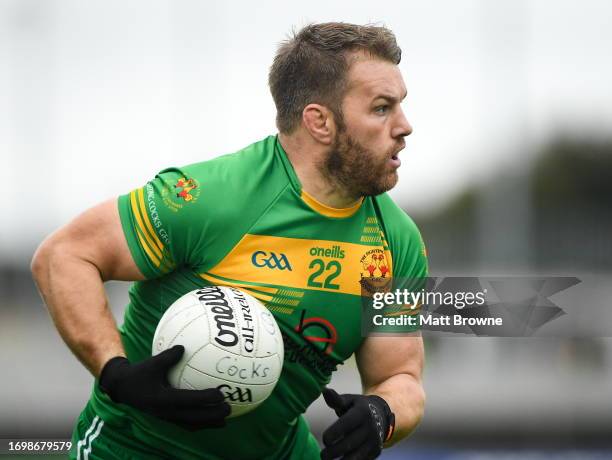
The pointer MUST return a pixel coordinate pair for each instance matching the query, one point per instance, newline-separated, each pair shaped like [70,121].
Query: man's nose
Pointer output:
[403,128]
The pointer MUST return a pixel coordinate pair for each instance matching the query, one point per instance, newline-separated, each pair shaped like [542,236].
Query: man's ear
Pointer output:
[319,122]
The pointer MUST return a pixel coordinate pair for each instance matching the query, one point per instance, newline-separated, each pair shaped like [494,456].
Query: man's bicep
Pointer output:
[97,236]
[380,358]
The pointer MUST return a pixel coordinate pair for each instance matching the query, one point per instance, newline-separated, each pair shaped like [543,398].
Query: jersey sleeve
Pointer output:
[410,266]
[409,255]
[159,220]
[404,240]
[192,216]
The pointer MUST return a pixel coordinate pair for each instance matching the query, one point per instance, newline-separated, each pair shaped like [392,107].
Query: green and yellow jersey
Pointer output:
[243,220]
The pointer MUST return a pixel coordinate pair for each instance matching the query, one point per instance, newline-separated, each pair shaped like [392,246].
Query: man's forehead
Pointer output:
[373,76]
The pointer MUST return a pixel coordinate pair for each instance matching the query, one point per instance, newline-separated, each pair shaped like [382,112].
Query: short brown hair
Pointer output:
[311,67]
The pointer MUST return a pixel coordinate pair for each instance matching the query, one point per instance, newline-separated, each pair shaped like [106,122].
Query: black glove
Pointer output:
[145,386]
[365,423]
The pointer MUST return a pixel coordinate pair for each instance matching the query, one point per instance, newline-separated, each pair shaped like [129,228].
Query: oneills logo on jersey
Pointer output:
[270,260]
[376,271]
[335,252]
[183,191]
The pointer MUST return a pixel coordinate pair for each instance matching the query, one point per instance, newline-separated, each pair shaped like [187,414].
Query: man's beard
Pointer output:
[357,170]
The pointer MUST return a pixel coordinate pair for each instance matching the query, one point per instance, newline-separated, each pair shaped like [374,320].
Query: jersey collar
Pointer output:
[312,203]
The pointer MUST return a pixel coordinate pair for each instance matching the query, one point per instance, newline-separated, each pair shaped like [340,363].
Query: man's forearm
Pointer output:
[74,293]
[406,398]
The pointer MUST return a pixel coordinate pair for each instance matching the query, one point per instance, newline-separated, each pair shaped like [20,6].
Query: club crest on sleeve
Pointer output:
[180,193]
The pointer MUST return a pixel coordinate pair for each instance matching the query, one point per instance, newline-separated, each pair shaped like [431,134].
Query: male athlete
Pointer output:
[301,221]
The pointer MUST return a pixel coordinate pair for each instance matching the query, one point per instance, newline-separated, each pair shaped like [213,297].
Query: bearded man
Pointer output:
[301,221]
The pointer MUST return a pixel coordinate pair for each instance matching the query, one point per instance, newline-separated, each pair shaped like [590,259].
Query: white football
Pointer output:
[232,343]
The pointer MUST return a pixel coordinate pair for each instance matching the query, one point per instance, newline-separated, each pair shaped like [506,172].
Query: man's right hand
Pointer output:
[145,386]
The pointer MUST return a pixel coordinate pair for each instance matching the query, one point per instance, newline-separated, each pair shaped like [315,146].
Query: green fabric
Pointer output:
[220,222]
[95,438]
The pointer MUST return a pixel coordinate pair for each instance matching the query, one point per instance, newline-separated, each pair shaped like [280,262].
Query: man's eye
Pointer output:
[381,109]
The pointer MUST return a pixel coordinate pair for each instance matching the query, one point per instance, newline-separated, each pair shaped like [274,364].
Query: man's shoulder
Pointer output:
[238,166]
[236,185]
[403,237]
[395,219]
[230,177]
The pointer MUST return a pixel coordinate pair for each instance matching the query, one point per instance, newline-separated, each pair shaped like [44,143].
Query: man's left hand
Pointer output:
[365,422]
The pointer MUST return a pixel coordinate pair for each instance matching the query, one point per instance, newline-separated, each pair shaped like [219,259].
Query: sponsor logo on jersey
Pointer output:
[184,191]
[320,332]
[306,355]
[270,260]
[335,252]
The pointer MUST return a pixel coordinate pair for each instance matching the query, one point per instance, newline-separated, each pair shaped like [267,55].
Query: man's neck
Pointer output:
[307,158]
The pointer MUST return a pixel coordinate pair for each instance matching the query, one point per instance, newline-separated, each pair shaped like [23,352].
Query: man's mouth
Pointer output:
[395,161]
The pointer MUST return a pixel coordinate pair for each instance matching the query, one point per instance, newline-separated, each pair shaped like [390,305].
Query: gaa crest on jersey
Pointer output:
[270,260]
[183,191]
[375,271]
